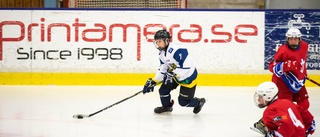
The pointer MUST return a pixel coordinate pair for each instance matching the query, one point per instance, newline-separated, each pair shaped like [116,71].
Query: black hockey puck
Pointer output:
[78,116]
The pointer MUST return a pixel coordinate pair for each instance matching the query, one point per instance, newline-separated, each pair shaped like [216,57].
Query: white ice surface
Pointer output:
[46,111]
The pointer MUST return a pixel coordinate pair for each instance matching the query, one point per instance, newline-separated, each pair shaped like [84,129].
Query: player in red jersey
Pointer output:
[282,117]
[289,71]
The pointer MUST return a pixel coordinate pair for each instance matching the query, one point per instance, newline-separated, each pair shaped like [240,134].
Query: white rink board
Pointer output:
[78,41]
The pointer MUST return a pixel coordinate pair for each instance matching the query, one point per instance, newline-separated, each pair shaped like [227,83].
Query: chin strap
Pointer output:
[273,99]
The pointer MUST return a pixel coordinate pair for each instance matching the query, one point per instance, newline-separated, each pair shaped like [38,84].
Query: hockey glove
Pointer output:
[149,86]
[273,133]
[312,128]
[290,66]
[168,78]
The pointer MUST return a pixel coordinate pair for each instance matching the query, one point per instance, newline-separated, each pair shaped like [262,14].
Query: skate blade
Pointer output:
[256,130]
[163,113]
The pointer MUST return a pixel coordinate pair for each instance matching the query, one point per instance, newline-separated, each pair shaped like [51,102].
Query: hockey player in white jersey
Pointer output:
[176,68]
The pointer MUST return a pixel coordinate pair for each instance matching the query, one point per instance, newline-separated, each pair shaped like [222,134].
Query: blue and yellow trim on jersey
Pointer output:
[190,81]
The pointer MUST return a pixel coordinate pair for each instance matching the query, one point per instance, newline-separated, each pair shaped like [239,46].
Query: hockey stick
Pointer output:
[81,116]
[314,82]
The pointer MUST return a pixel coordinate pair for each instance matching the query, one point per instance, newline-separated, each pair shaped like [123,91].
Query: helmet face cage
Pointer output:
[257,103]
[155,44]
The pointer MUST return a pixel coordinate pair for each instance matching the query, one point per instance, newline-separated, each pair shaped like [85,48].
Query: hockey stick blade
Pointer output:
[314,82]
[81,116]
[256,130]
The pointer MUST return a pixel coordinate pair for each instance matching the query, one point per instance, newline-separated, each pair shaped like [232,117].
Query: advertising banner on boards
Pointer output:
[113,41]
[277,24]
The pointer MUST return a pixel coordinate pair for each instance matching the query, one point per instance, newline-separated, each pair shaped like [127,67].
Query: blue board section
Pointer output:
[277,24]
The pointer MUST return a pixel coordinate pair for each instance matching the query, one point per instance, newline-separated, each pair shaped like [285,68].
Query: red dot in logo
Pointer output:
[206,40]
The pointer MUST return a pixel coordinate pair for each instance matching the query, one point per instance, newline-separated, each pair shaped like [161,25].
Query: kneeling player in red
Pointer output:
[282,117]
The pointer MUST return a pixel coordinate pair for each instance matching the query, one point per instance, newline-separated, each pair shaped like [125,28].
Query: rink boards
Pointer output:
[114,46]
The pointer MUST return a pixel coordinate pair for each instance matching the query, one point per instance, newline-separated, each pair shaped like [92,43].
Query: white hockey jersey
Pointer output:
[176,59]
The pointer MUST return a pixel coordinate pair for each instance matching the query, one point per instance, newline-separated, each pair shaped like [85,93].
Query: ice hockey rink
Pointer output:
[46,111]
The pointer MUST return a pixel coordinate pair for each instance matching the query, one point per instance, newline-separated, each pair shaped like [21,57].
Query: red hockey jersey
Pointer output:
[287,118]
[282,79]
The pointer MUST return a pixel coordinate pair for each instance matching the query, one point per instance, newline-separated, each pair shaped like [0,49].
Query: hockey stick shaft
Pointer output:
[314,82]
[114,104]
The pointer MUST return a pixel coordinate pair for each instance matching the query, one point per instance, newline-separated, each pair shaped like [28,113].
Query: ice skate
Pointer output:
[259,127]
[162,109]
[198,108]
